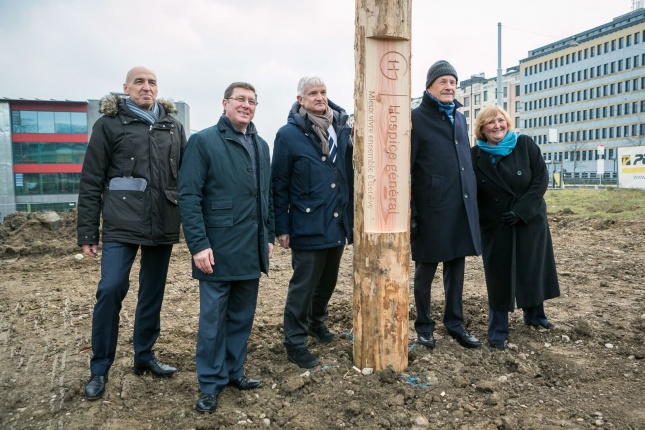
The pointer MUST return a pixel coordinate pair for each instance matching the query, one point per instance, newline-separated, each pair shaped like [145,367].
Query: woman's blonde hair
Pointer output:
[486,115]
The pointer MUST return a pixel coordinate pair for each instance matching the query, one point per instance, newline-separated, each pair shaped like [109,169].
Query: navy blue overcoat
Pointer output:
[444,190]
[222,205]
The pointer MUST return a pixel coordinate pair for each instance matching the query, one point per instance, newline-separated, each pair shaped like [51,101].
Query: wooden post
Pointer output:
[382,183]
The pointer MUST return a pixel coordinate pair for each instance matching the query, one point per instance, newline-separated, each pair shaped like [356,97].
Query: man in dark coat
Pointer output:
[227,214]
[444,220]
[130,177]
[313,187]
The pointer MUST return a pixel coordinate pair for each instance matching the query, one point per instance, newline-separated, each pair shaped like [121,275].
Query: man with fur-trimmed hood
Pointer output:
[129,179]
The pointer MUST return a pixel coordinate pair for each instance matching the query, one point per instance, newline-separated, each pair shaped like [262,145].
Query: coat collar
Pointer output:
[482,160]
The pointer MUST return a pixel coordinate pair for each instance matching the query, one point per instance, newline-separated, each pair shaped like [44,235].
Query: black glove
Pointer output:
[510,218]
[414,228]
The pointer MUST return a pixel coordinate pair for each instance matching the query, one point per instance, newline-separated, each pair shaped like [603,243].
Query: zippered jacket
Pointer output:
[122,145]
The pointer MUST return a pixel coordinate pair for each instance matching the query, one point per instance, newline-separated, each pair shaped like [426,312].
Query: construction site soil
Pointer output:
[588,372]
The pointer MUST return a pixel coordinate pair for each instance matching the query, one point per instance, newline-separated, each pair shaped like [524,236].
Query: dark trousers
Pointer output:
[498,327]
[535,315]
[313,282]
[226,311]
[116,263]
[453,284]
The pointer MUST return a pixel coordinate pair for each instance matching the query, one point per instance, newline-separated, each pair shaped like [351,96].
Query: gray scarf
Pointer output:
[150,116]
[320,124]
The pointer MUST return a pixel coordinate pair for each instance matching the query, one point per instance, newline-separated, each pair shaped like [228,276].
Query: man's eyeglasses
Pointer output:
[241,100]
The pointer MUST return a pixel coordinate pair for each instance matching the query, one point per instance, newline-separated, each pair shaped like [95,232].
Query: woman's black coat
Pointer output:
[518,260]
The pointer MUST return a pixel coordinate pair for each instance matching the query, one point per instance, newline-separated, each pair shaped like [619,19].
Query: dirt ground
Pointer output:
[586,373]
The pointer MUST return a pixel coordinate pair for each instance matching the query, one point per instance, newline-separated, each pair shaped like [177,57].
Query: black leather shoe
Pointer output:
[499,345]
[206,404]
[466,339]
[155,367]
[322,334]
[546,324]
[426,339]
[303,358]
[244,383]
[95,387]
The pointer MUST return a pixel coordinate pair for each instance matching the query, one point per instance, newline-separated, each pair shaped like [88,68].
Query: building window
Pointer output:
[485,96]
[477,99]
[48,153]
[48,122]
[46,183]
[466,101]
[517,90]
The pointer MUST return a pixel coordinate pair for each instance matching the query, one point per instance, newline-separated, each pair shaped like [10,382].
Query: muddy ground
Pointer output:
[587,373]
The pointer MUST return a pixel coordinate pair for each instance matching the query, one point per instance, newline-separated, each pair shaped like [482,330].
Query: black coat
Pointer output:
[444,191]
[123,145]
[223,206]
[518,260]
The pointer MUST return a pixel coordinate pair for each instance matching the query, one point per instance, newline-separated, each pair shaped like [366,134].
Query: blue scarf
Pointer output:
[502,149]
[149,116]
[448,109]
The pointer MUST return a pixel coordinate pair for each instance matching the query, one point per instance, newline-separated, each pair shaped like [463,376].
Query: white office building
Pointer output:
[587,92]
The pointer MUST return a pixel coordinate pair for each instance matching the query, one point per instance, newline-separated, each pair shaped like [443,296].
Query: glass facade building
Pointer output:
[44,144]
[42,148]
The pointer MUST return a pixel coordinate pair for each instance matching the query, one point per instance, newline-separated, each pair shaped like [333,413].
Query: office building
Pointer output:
[586,91]
[42,147]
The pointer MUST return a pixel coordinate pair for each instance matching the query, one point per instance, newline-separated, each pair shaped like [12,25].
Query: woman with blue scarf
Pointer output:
[519,264]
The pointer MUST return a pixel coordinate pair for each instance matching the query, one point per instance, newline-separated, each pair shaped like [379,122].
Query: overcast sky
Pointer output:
[82,49]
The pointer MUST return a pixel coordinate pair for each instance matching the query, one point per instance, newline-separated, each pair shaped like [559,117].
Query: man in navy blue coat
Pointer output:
[227,214]
[313,183]
[444,218]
